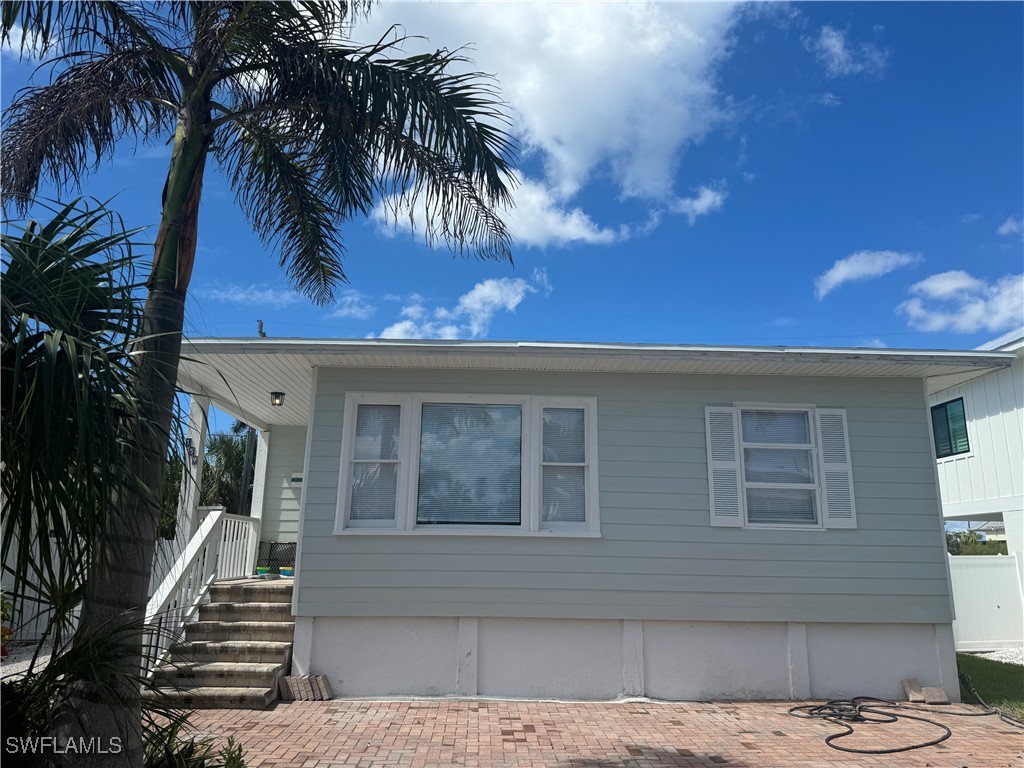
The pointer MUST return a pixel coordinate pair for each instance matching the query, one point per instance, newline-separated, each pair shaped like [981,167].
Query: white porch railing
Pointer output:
[988,602]
[223,547]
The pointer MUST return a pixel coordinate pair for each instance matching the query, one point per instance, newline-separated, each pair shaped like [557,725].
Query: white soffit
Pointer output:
[239,374]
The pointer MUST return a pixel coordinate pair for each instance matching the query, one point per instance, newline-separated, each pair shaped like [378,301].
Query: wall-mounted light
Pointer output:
[277,398]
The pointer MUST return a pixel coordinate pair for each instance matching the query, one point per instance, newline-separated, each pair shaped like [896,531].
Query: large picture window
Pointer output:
[472,463]
[949,424]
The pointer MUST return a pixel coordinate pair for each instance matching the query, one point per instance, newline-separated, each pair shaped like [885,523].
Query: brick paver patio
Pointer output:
[535,734]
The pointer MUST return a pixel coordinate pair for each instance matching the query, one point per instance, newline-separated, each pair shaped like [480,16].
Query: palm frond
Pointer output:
[67,312]
[280,190]
[63,130]
[70,26]
[359,127]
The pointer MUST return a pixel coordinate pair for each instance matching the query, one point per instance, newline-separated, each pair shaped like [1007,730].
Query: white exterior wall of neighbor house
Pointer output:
[988,479]
[281,497]
[662,603]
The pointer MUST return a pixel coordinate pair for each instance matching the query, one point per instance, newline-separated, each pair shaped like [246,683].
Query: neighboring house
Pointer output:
[978,429]
[979,445]
[991,531]
[587,520]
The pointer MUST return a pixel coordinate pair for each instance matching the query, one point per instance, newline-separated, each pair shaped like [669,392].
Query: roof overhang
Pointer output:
[239,374]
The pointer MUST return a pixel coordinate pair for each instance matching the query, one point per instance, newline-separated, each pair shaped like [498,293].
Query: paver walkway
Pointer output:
[521,734]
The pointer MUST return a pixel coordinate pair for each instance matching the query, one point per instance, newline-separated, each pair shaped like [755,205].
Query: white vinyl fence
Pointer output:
[988,602]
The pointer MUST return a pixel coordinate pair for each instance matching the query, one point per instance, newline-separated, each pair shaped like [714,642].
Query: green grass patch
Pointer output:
[1001,685]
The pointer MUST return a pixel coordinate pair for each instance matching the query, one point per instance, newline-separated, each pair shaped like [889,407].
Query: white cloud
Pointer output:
[957,301]
[11,48]
[473,312]
[862,265]
[829,99]
[541,281]
[276,298]
[947,285]
[782,322]
[616,91]
[1012,226]
[352,304]
[841,58]
[874,343]
[969,218]
[705,201]
[537,219]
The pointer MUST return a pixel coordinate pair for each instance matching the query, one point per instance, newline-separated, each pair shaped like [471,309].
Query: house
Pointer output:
[993,530]
[594,520]
[979,441]
[978,428]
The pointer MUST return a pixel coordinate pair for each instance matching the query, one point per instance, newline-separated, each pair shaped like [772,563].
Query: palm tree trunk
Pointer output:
[117,590]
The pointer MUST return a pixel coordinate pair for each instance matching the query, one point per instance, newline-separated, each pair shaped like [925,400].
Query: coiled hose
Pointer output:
[867,709]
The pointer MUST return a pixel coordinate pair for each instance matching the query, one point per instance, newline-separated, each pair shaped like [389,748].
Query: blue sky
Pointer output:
[819,174]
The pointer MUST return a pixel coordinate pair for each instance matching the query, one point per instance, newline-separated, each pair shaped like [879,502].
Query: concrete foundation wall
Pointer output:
[592,659]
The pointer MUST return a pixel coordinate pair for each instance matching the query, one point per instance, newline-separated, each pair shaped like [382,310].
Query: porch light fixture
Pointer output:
[277,398]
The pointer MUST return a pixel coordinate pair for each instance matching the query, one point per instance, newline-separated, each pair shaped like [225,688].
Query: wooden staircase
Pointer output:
[236,653]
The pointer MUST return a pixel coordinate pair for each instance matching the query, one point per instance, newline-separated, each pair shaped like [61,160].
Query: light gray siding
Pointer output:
[658,556]
[281,498]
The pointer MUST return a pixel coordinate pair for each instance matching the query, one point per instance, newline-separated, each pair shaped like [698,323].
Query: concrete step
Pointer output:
[219,674]
[252,590]
[245,611]
[242,651]
[207,697]
[273,631]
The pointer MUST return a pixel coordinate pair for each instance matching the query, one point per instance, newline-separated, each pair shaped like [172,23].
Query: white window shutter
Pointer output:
[724,482]
[836,470]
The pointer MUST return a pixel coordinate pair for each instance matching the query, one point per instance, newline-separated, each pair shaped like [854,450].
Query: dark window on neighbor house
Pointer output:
[949,423]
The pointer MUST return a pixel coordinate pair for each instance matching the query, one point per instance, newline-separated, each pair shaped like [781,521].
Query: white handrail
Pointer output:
[220,548]
[196,553]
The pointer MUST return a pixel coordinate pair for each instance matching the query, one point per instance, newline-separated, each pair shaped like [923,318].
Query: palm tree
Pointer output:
[311,131]
[224,478]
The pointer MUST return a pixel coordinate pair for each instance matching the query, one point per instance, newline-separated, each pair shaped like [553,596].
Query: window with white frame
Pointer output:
[779,467]
[468,464]
[779,480]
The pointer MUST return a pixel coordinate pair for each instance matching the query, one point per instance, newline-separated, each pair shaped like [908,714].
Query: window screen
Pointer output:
[949,423]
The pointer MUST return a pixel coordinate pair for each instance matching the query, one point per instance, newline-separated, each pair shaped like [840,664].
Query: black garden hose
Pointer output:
[867,709]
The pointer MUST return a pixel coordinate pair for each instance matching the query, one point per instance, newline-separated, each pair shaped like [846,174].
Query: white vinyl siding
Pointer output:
[990,476]
[657,557]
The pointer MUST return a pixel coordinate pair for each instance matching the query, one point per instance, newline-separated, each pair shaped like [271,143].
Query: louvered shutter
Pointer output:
[836,472]
[724,480]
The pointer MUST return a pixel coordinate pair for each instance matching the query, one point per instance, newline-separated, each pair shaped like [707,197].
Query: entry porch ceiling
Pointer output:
[239,374]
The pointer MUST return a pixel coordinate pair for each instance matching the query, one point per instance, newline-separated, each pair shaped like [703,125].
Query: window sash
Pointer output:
[949,428]
[574,512]
[813,486]
[464,502]
[369,518]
